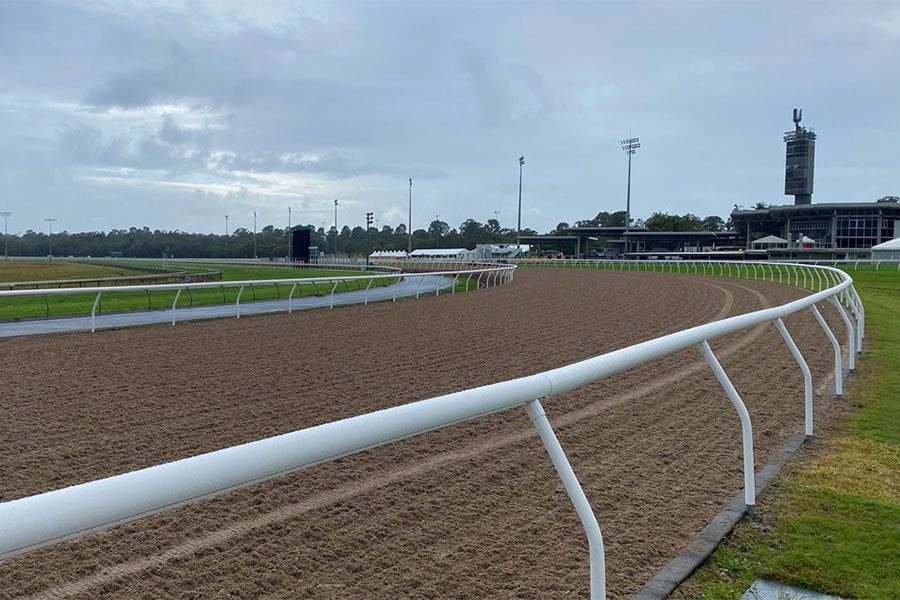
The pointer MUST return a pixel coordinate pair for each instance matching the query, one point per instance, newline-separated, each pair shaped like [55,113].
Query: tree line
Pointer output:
[272,242]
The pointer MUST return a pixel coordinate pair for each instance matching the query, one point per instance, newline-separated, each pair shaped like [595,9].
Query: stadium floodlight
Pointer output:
[370,217]
[519,223]
[254,235]
[6,215]
[335,228]
[409,224]
[226,236]
[630,146]
[50,223]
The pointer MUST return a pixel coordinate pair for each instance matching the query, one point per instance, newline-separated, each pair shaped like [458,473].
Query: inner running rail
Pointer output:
[492,274]
[47,518]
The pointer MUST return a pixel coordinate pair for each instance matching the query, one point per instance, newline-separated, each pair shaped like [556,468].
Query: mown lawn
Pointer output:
[45,271]
[832,522]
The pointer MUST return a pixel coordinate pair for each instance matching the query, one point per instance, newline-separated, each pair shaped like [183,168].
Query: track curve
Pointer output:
[471,511]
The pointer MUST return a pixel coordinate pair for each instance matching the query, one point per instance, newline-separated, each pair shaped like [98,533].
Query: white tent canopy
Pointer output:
[889,250]
[769,240]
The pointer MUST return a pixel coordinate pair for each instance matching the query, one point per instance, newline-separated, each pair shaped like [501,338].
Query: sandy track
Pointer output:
[472,511]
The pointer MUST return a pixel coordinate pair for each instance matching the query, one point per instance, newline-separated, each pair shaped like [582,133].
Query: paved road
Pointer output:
[407,287]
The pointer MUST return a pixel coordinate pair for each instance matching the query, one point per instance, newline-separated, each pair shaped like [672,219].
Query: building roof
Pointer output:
[438,251]
[893,244]
[818,208]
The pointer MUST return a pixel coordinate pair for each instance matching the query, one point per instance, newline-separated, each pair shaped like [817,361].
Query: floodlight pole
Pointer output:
[6,216]
[519,224]
[226,236]
[289,233]
[50,222]
[254,236]
[369,219]
[630,146]
[335,228]
[409,232]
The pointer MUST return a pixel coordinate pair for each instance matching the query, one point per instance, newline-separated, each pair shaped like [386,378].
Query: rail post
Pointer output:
[468,279]
[237,302]
[807,378]
[455,279]
[291,299]
[175,303]
[396,285]
[576,495]
[746,426]
[334,287]
[366,298]
[419,285]
[838,367]
[851,333]
[93,311]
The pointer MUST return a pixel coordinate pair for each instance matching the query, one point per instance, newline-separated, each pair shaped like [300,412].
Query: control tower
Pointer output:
[799,162]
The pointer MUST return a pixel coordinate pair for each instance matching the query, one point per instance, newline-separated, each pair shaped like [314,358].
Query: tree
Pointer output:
[713,223]
[665,222]
[760,206]
[889,199]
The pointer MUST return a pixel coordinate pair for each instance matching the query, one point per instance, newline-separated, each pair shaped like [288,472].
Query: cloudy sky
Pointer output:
[171,114]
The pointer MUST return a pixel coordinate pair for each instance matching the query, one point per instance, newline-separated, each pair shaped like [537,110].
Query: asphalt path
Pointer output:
[410,285]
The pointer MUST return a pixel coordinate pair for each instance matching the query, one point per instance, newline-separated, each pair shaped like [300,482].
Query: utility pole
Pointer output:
[409,225]
[335,228]
[289,233]
[254,236]
[50,221]
[519,225]
[369,219]
[226,236]
[437,231]
[630,146]
[6,216]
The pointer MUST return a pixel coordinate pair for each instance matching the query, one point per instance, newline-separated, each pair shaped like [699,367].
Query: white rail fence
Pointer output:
[484,275]
[43,519]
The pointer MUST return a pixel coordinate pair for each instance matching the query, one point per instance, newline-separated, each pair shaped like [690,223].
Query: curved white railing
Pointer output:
[35,521]
[486,275]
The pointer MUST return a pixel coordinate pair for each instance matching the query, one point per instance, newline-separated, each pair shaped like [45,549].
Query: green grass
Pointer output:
[73,304]
[46,271]
[832,522]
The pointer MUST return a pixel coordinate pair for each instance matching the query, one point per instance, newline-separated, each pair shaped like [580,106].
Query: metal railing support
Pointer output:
[291,299]
[851,334]
[807,379]
[419,285]
[237,302]
[838,366]
[576,495]
[746,426]
[175,303]
[366,297]
[396,285]
[93,311]
[334,287]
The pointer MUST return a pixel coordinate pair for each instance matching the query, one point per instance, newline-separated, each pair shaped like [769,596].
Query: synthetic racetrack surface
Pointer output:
[475,510]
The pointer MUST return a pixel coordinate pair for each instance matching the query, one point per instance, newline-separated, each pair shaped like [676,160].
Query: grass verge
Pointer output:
[831,523]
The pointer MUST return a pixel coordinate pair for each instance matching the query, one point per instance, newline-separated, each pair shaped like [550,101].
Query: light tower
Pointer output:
[630,146]
[369,218]
[409,225]
[519,223]
[335,228]
[6,215]
[50,222]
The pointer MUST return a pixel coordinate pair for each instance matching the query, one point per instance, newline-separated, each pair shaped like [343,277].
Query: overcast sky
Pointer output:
[172,114]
